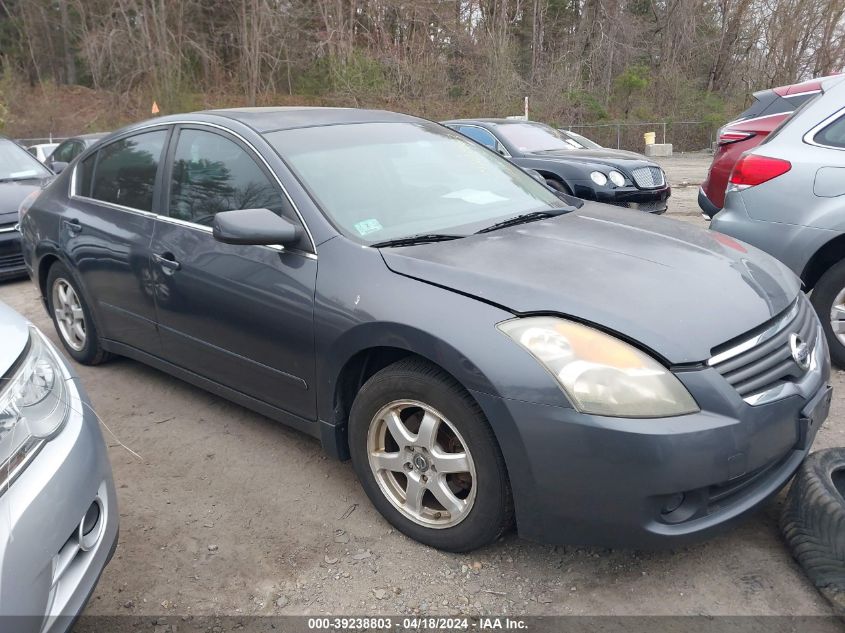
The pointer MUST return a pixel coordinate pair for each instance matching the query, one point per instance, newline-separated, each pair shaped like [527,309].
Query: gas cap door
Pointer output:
[830,182]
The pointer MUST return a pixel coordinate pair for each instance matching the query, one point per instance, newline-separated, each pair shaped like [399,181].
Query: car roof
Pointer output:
[810,85]
[271,119]
[488,121]
[85,138]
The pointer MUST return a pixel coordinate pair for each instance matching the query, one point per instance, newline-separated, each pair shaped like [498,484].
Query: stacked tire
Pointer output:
[813,522]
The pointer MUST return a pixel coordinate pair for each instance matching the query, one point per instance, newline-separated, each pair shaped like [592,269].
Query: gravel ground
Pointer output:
[229,513]
[685,173]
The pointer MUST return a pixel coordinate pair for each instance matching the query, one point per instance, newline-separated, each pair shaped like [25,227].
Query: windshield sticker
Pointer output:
[23,174]
[366,227]
[475,196]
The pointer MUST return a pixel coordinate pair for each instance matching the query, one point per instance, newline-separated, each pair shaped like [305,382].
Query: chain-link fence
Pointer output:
[685,136]
[26,142]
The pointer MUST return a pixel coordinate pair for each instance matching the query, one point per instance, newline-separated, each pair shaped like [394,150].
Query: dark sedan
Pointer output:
[617,177]
[20,175]
[482,347]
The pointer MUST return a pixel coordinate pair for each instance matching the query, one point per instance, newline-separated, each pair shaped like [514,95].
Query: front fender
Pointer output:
[567,172]
[360,304]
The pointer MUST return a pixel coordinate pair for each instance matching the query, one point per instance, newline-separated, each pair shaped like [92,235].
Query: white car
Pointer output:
[42,151]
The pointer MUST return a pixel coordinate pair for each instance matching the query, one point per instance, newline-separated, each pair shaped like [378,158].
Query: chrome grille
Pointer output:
[763,360]
[648,177]
[11,261]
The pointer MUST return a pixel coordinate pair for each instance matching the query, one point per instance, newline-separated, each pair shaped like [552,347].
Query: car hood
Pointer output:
[609,157]
[14,332]
[12,194]
[677,289]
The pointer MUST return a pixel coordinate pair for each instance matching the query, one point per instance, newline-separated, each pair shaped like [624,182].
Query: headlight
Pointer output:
[601,374]
[599,178]
[33,405]
[616,178]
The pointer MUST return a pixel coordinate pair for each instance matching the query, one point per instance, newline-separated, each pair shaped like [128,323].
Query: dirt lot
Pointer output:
[227,512]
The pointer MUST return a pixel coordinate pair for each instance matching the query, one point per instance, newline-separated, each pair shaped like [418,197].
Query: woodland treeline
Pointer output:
[577,60]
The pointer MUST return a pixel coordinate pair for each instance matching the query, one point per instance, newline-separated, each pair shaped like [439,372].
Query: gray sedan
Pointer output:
[58,510]
[787,197]
[483,347]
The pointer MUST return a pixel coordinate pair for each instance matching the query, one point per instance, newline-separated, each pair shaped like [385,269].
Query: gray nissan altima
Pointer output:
[58,510]
[485,349]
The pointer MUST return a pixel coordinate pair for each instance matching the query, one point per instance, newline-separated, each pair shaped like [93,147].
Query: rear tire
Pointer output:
[828,299]
[463,498]
[72,317]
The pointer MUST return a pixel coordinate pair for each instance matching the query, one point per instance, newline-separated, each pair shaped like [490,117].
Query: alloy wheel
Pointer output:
[837,316]
[422,464]
[69,315]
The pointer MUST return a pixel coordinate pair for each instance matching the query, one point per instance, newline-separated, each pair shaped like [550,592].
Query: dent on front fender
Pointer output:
[360,304]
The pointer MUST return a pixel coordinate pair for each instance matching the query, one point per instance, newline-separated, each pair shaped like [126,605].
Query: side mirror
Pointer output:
[58,166]
[253,226]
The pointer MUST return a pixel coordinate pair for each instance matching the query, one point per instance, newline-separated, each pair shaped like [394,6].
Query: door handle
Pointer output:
[167,262]
[74,225]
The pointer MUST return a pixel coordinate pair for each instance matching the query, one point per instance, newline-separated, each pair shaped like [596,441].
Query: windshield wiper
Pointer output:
[523,219]
[417,239]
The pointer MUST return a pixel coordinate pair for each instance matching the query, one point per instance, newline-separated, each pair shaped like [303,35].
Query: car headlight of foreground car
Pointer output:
[601,374]
[34,405]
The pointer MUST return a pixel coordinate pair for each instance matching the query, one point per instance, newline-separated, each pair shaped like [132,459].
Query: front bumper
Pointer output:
[11,257]
[648,483]
[47,573]
[649,200]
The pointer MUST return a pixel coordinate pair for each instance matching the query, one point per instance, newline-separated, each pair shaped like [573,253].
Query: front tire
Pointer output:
[72,317]
[828,299]
[557,185]
[427,458]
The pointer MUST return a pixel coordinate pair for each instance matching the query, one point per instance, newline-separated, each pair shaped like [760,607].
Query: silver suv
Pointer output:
[787,197]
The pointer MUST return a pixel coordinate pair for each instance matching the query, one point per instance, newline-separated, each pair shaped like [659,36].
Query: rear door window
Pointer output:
[126,170]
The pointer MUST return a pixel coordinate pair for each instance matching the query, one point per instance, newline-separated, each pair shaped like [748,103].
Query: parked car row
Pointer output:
[461,340]
[787,197]
[769,109]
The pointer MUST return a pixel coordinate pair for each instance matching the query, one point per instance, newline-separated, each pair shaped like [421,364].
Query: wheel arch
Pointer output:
[44,266]
[828,255]
[47,254]
[350,366]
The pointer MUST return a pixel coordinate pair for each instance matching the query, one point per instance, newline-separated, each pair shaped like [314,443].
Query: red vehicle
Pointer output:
[770,108]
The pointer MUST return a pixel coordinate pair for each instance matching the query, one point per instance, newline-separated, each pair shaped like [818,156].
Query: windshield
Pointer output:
[18,164]
[582,141]
[382,181]
[535,137]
